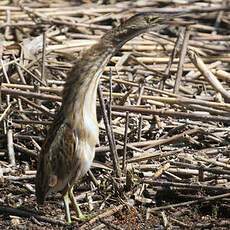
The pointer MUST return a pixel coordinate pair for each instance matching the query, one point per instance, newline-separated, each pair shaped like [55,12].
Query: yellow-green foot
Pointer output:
[79,215]
[67,210]
[84,218]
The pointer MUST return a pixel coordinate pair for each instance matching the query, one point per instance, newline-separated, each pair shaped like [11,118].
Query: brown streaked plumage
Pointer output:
[68,150]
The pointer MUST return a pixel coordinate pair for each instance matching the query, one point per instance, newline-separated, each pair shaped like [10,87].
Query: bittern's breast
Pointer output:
[70,156]
[84,158]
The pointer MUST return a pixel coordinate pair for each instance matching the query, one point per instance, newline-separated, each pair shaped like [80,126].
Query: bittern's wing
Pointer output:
[58,120]
[57,158]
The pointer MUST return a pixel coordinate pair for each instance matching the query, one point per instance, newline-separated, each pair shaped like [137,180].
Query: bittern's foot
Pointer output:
[84,218]
[67,210]
[80,216]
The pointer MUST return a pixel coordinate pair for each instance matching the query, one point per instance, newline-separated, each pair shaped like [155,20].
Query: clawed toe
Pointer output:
[84,218]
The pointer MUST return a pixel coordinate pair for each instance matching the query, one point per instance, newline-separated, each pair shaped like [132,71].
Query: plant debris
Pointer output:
[163,112]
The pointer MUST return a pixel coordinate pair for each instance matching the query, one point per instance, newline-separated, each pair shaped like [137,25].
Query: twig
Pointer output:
[10,147]
[125,142]
[28,214]
[197,61]
[212,161]
[30,153]
[107,213]
[183,51]
[43,55]
[5,113]
[112,145]
[204,199]
[183,185]
[110,225]
[192,116]
[205,168]
[173,55]
[140,120]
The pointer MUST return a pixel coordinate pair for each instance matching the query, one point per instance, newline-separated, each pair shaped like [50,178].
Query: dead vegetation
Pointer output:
[163,112]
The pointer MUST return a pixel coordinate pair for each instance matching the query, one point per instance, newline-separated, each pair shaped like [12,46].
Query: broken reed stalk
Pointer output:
[10,147]
[202,200]
[108,128]
[215,83]
[185,33]
[174,114]
[206,167]
[124,163]
[44,37]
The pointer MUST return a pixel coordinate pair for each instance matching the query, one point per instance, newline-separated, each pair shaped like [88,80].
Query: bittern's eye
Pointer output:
[151,19]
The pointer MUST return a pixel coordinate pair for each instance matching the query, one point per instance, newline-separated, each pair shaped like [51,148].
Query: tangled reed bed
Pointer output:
[166,111]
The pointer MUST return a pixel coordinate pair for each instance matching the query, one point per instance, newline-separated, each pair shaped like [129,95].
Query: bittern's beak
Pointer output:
[179,22]
[175,19]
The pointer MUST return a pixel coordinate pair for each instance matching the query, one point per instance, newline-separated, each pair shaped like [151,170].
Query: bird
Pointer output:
[69,147]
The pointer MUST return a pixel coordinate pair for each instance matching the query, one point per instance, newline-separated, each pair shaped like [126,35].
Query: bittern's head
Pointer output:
[153,19]
[140,23]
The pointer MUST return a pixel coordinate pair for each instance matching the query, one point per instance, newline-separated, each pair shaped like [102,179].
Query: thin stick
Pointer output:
[5,113]
[186,33]
[170,62]
[107,213]
[125,142]
[211,78]
[10,147]
[140,120]
[112,145]
[110,98]
[30,73]
[192,116]
[167,184]
[28,214]
[43,56]
[204,199]
[205,168]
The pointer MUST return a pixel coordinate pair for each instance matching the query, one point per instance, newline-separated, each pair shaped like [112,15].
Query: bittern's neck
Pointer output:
[81,84]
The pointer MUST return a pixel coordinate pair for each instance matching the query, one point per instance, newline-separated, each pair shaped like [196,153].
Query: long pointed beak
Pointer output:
[179,22]
[177,19]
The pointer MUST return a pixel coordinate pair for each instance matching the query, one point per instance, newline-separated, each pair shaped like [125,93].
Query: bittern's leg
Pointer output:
[66,204]
[75,205]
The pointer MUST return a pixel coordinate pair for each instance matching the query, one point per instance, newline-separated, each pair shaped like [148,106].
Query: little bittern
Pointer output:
[69,148]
